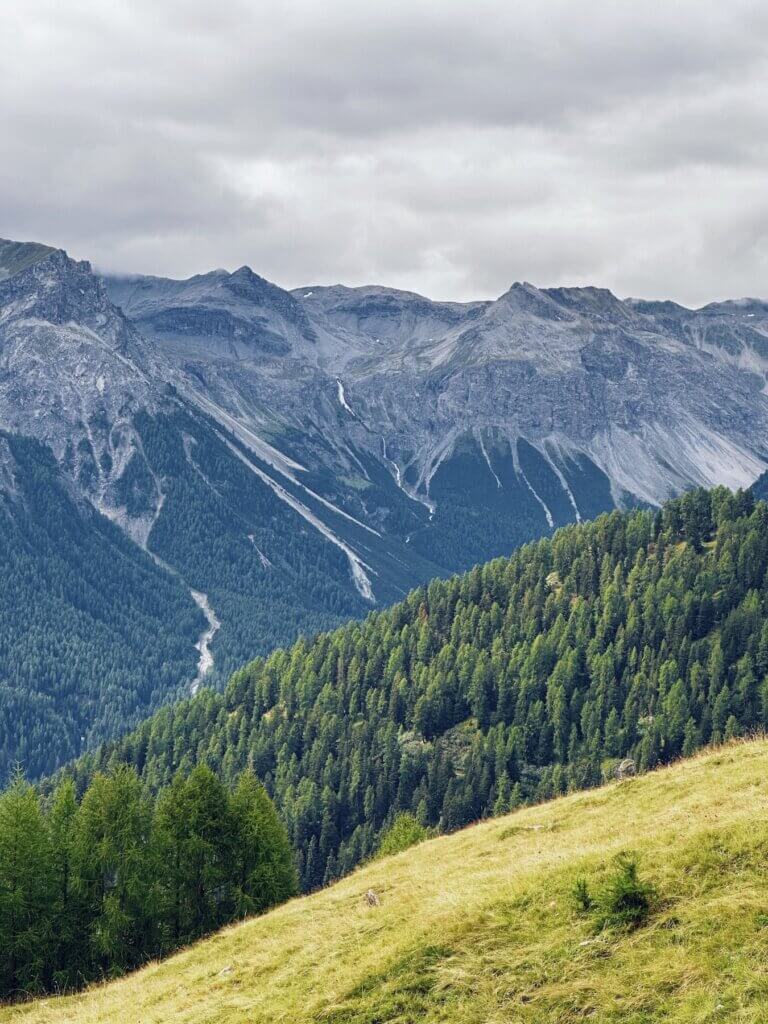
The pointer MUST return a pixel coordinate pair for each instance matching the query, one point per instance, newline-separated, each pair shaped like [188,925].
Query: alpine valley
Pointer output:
[195,472]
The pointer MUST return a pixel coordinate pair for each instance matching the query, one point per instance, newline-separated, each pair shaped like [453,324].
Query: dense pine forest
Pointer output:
[79,601]
[640,635]
[93,887]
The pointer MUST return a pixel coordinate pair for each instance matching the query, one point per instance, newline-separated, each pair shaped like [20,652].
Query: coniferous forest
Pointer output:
[640,635]
[92,887]
[79,600]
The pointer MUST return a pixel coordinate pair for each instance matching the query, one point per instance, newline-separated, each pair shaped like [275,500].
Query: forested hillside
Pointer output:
[78,601]
[228,535]
[639,635]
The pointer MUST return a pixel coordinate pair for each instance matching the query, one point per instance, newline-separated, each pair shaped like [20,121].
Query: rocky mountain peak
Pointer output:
[596,303]
[215,314]
[17,256]
[247,285]
[739,307]
[49,285]
[73,370]
[524,298]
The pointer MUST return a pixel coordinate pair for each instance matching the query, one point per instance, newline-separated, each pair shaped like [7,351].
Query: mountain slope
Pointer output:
[480,925]
[293,460]
[78,601]
[540,408]
[225,519]
[640,635]
[760,487]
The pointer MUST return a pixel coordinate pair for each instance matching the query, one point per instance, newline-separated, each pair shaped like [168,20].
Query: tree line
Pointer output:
[640,635]
[95,886]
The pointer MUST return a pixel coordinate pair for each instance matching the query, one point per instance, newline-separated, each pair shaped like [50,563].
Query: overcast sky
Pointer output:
[450,147]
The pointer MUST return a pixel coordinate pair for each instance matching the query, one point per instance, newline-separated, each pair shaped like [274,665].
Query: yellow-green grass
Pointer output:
[480,926]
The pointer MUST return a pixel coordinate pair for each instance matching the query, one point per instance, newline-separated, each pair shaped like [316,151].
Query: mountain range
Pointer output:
[193,472]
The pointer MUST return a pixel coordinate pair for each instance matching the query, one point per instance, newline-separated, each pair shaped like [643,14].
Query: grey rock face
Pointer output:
[380,411]
[238,315]
[658,397]
[73,371]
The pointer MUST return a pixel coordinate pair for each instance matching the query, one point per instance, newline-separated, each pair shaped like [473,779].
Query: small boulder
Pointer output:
[372,899]
[626,769]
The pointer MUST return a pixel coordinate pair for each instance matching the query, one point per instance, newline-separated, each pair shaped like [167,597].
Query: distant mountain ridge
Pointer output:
[294,459]
[603,378]
[538,408]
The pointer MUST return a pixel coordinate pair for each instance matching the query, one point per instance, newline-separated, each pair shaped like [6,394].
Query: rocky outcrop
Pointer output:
[73,370]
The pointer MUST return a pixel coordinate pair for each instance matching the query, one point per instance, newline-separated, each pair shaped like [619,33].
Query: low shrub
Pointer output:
[623,901]
[581,896]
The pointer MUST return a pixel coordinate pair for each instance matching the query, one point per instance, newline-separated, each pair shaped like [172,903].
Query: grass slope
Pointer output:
[479,926]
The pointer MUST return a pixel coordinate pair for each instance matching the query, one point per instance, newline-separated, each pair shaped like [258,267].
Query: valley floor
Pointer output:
[479,926]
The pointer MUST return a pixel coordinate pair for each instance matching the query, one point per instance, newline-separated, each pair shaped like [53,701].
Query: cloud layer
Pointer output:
[445,146]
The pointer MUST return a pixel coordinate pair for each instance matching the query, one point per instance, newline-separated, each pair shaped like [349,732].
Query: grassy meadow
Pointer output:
[480,927]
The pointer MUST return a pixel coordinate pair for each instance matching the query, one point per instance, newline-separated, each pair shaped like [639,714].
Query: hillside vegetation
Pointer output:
[641,635]
[77,601]
[91,889]
[480,926]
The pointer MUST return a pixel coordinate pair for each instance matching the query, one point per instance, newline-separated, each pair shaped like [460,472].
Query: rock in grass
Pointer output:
[626,769]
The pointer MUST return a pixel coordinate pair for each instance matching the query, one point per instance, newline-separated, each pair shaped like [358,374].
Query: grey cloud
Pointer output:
[447,147]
